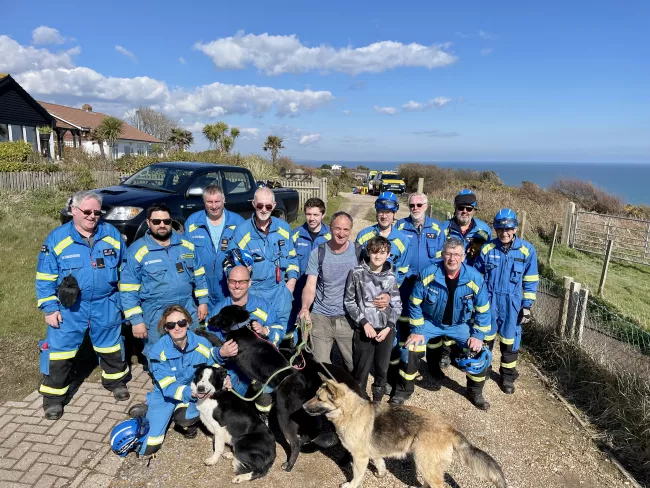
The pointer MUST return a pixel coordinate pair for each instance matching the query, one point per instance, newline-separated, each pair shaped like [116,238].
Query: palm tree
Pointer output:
[110,130]
[227,142]
[234,134]
[210,133]
[95,135]
[273,144]
[181,138]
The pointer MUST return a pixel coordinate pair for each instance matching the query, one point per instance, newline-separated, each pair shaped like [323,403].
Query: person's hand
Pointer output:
[257,327]
[382,301]
[229,349]
[475,344]
[383,334]
[227,383]
[140,331]
[291,285]
[54,319]
[304,314]
[202,312]
[371,333]
[524,316]
[415,339]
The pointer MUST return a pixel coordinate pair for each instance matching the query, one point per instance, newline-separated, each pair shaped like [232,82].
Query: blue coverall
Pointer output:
[97,308]
[196,231]
[511,279]
[303,244]
[399,248]
[155,277]
[275,259]
[173,371]
[477,228]
[471,318]
[262,312]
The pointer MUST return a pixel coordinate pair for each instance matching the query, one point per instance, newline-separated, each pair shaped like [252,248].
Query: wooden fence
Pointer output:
[317,188]
[28,180]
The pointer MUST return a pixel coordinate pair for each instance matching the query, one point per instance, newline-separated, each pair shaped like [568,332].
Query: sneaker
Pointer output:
[121,393]
[445,361]
[507,387]
[138,410]
[398,400]
[479,401]
[53,412]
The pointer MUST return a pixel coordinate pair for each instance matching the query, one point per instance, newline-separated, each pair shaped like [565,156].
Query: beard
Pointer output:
[161,235]
[463,220]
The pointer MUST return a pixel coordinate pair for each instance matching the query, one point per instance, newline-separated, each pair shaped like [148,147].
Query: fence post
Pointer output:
[550,254]
[574,300]
[584,300]
[323,190]
[603,276]
[569,210]
[420,185]
[564,308]
[522,223]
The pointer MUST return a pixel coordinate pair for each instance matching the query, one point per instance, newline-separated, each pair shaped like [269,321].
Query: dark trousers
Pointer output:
[368,352]
[508,368]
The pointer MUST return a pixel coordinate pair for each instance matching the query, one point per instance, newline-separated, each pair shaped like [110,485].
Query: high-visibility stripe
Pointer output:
[162,356]
[277,327]
[417,348]
[478,379]
[524,250]
[199,272]
[485,328]
[46,276]
[166,381]
[295,236]
[107,350]
[113,242]
[261,314]
[402,318]
[193,227]
[232,227]
[132,311]
[154,441]
[449,342]
[439,254]
[244,240]
[435,345]
[203,350]
[179,392]
[182,405]
[128,287]
[404,269]
[408,377]
[503,340]
[428,279]
[394,362]
[435,227]
[58,249]
[482,309]
[530,296]
[115,376]
[59,356]
[327,236]
[263,408]
[187,244]
[416,322]
[366,237]
[400,226]
[490,337]
[283,233]
[292,253]
[509,365]
[43,300]
[531,278]
[141,253]
[289,335]
[200,292]
[293,267]
[473,286]
[399,245]
[488,247]
[53,391]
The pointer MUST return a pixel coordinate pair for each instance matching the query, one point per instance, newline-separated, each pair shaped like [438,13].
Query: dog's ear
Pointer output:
[335,389]
[219,375]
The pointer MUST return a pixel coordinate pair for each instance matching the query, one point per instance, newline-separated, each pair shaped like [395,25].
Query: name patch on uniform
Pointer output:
[100,262]
[520,260]
[224,244]
[198,237]
[70,256]
[109,252]
[301,244]
[45,249]
[153,261]
[189,255]
[281,242]
[179,267]
[468,296]
[431,236]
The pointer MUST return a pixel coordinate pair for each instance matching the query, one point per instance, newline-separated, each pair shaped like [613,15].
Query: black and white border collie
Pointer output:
[233,422]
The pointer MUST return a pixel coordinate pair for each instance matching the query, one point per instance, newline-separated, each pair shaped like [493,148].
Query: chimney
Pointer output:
[87,107]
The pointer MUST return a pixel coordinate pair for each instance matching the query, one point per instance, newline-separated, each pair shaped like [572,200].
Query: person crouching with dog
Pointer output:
[173,360]
[449,299]
[375,329]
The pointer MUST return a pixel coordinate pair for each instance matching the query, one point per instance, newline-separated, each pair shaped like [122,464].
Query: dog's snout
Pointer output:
[200,389]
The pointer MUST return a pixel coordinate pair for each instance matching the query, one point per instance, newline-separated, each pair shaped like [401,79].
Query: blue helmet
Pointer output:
[465,197]
[475,362]
[387,201]
[127,436]
[506,219]
[238,257]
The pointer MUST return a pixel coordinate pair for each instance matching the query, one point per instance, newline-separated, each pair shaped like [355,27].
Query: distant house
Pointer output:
[337,167]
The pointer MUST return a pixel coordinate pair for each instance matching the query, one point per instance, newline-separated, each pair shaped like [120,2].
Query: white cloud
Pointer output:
[486,51]
[274,55]
[346,112]
[309,139]
[126,52]
[17,58]
[385,110]
[182,60]
[249,132]
[47,35]
[485,35]
[437,102]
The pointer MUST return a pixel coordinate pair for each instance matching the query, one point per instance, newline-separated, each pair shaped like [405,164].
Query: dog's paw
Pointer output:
[287,467]
[242,477]
[228,455]
[346,485]
[380,473]
[211,461]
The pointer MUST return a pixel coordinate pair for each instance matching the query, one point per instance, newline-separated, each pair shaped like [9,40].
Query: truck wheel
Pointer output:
[280,215]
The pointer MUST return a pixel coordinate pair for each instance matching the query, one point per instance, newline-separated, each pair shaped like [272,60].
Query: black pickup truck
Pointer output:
[180,186]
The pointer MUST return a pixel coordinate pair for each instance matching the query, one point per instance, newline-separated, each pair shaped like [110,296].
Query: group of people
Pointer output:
[400,289]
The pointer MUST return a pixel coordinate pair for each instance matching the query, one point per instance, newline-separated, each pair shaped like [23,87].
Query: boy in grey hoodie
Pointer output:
[375,329]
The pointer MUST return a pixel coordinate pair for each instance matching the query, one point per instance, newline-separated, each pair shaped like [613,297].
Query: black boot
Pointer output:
[398,399]
[53,412]
[479,401]
[445,360]
[138,410]
[190,432]
[378,394]
[507,386]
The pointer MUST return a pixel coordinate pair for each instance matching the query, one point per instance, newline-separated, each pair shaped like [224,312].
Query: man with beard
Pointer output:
[161,270]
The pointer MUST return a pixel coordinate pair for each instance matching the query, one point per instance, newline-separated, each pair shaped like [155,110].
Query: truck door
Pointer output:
[239,187]
[194,203]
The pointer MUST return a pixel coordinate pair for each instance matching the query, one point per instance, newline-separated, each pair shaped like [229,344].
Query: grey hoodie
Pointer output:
[362,287]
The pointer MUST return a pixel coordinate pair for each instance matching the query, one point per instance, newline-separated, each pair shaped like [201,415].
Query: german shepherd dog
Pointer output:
[377,431]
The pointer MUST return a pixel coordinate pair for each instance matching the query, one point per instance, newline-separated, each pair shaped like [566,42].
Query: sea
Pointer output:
[630,182]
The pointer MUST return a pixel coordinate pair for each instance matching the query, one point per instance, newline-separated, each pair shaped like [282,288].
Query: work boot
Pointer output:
[507,386]
[121,393]
[445,360]
[378,394]
[53,412]
[190,432]
[479,401]
[398,400]
[138,410]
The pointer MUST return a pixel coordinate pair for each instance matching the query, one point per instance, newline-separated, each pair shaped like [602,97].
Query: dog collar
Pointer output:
[240,325]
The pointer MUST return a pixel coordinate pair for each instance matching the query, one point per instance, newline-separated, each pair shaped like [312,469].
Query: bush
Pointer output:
[17,167]
[588,196]
[15,152]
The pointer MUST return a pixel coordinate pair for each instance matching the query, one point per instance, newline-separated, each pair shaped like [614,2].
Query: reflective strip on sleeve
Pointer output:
[201,292]
[428,279]
[181,405]
[435,227]
[59,356]
[154,441]
[166,381]
[403,318]
[162,356]
[405,269]
[417,322]
[179,392]
[200,271]
[529,296]
[58,249]
[280,327]
[531,278]
[434,345]
[394,362]
[107,350]
[141,253]
[295,236]
[408,377]
[417,348]
[263,408]
[366,237]
[244,240]
[293,267]
[449,342]
[483,308]
[485,328]
[193,227]
[132,311]
[53,391]
[203,350]
[47,299]
[473,286]
[399,245]
[439,254]
[115,376]
[113,242]
[283,233]
[327,236]
[46,276]
[509,365]
[128,287]
[489,338]
[292,253]
[416,301]
[261,314]
[187,244]
[488,247]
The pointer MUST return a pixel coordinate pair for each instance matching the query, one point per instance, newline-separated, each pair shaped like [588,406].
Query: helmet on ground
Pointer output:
[127,436]
[506,218]
[387,201]
[238,257]
[475,362]
[465,197]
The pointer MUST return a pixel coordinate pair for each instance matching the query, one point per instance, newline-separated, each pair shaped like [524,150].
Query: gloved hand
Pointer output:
[524,316]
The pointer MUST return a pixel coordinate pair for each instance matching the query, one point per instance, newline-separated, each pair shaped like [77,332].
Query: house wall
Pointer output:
[123,147]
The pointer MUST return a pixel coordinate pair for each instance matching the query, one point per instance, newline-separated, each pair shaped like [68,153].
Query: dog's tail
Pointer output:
[480,462]
[210,336]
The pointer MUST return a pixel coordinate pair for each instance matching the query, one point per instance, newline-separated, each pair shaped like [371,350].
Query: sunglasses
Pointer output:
[418,205]
[466,209]
[238,282]
[260,206]
[96,213]
[164,221]
[172,325]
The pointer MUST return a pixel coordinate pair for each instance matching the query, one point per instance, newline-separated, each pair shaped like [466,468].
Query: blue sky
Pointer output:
[358,81]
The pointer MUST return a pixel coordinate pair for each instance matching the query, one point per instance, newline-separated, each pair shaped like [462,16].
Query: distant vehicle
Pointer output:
[371,177]
[387,181]
[179,185]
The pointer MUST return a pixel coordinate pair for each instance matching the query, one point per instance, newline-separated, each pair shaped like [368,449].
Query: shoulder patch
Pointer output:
[45,249]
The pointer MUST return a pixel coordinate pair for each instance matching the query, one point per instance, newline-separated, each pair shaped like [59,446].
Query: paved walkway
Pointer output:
[72,451]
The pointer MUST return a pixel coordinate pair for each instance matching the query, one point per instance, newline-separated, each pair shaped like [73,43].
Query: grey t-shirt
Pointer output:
[330,289]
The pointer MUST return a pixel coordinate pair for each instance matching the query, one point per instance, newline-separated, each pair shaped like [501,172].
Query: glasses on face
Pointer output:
[260,206]
[87,213]
[466,209]
[172,325]
[238,282]
[164,221]
[452,255]
[418,205]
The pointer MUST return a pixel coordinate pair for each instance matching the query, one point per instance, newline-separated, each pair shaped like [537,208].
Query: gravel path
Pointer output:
[532,436]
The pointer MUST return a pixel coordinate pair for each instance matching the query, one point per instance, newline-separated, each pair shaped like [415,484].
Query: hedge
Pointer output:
[15,152]
[13,167]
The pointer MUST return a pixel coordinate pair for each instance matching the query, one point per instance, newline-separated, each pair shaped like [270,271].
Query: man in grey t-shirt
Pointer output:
[325,289]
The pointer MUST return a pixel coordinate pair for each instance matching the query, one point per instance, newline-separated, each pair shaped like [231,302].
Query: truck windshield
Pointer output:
[159,178]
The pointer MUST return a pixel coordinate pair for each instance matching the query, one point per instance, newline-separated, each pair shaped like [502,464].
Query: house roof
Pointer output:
[7,82]
[83,119]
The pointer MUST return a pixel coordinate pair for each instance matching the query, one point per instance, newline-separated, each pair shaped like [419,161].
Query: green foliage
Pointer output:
[45,130]
[273,144]
[18,167]
[110,130]
[325,166]
[181,138]
[15,151]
